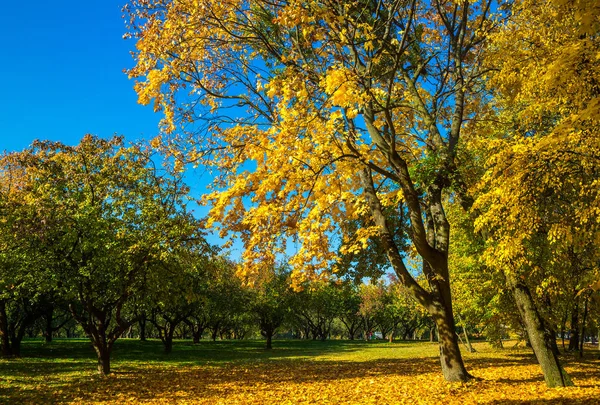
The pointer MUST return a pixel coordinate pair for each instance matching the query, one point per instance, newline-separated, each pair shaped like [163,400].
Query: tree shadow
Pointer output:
[220,369]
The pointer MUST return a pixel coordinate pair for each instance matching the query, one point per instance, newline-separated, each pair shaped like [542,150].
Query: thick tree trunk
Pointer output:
[552,336]
[451,360]
[103,353]
[15,346]
[554,374]
[196,335]
[168,341]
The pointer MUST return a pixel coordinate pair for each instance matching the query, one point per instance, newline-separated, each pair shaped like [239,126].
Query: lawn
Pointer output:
[294,372]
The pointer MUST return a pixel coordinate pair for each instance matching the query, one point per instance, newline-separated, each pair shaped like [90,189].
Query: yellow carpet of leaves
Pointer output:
[378,375]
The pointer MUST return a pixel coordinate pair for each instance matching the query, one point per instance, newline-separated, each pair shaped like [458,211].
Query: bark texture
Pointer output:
[540,339]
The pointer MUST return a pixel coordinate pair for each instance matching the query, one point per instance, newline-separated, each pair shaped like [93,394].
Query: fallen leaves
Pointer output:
[360,374]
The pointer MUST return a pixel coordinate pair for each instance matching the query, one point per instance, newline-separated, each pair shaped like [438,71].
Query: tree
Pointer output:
[542,156]
[24,262]
[371,303]
[350,308]
[111,218]
[316,307]
[174,298]
[270,302]
[398,313]
[352,107]
[227,301]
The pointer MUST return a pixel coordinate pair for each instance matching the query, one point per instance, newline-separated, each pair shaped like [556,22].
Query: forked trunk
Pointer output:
[541,341]
[432,246]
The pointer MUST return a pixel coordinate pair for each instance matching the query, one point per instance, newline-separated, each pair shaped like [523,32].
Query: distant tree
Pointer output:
[349,313]
[316,307]
[271,301]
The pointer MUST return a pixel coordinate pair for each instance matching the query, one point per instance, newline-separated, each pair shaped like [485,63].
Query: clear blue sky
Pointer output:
[61,69]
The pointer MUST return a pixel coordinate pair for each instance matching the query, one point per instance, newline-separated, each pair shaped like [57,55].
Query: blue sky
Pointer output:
[62,74]
[62,77]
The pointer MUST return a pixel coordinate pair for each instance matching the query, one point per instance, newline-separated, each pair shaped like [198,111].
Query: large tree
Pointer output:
[316,113]
[110,217]
[537,201]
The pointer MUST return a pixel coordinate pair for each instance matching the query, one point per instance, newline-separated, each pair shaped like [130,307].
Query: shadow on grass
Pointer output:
[64,371]
[194,382]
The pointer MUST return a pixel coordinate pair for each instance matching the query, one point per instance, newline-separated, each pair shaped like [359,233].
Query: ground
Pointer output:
[294,372]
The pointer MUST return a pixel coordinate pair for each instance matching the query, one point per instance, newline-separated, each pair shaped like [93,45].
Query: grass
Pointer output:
[242,372]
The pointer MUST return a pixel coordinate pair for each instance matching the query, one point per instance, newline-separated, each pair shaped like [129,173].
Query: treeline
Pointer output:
[226,309]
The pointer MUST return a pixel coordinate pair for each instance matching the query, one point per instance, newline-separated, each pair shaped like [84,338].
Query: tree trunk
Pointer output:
[142,324]
[464,329]
[451,360]
[16,340]
[269,336]
[196,335]
[554,374]
[574,331]
[552,337]
[583,321]
[103,352]
[168,342]
[4,335]
[48,332]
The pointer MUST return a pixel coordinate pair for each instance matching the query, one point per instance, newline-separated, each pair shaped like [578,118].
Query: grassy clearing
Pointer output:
[241,372]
